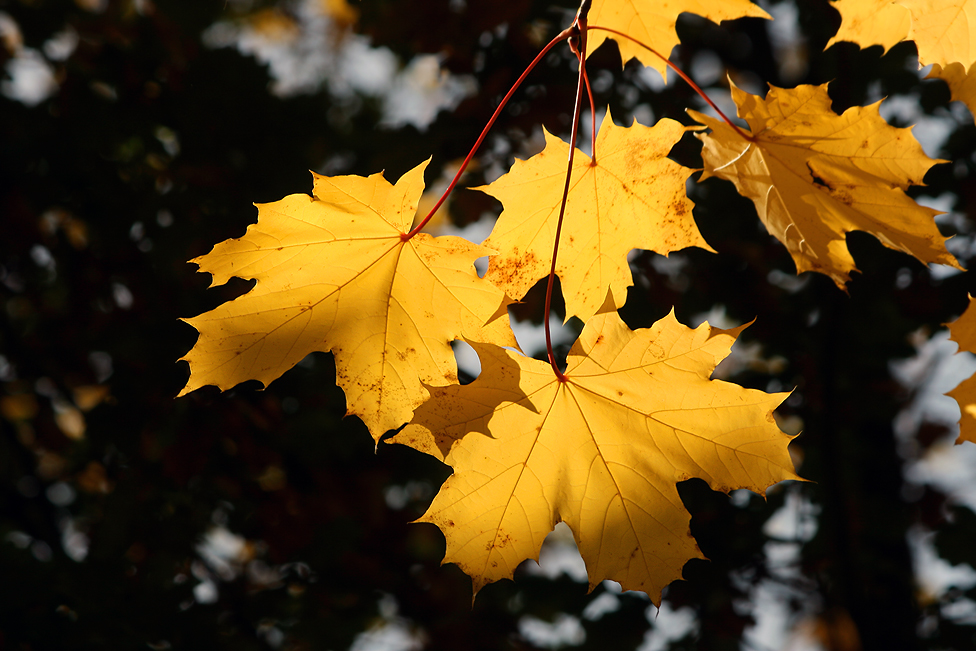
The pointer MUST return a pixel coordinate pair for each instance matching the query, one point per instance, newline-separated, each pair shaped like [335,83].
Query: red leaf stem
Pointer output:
[580,49]
[561,37]
[589,91]
[681,74]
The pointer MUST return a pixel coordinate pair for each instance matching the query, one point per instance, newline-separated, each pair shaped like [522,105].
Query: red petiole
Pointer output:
[576,34]
[578,45]
[681,73]
[589,91]
[518,82]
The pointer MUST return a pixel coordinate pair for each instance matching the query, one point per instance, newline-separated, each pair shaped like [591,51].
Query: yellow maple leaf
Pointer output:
[632,196]
[961,82]
[334,274]
[963,332]
[652,22]
[872,22]
[602,451]
[943,30]
[814,176]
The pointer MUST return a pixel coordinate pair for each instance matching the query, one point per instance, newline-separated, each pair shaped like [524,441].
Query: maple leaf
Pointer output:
[872,22]
[334,274]
[963,332]
[943,30]
[602,451]
[961,82]
[653,23]
[814,176]
[632,196]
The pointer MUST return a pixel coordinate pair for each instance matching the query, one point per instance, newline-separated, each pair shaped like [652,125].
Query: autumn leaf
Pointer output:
[653,23]
[814,176]
[334,274]
[963,332]
[632,196]
[961,82]
[872,22]
[943,30]
[602,451]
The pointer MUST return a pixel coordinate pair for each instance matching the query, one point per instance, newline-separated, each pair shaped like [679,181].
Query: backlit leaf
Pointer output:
[963,332]
[962,82]
[872,22]
[943,30]
[653,23]
[603,451]
[631,197]
[333,274]
[814,176]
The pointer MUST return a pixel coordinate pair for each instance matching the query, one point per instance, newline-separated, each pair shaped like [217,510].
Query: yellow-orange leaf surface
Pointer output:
[963,332]
[632,196]
[603,451]
[652,22]
[943,30]
[962,82]
[872,22]
[814,176]
[333,274]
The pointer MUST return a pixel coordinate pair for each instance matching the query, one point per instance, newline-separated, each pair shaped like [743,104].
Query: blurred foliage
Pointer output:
[152,147]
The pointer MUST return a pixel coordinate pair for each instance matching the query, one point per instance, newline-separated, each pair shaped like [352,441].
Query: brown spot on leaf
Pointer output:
[507,271]
[842,193]
[501,540]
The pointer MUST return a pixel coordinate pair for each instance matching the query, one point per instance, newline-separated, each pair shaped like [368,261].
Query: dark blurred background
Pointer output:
[136,134]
